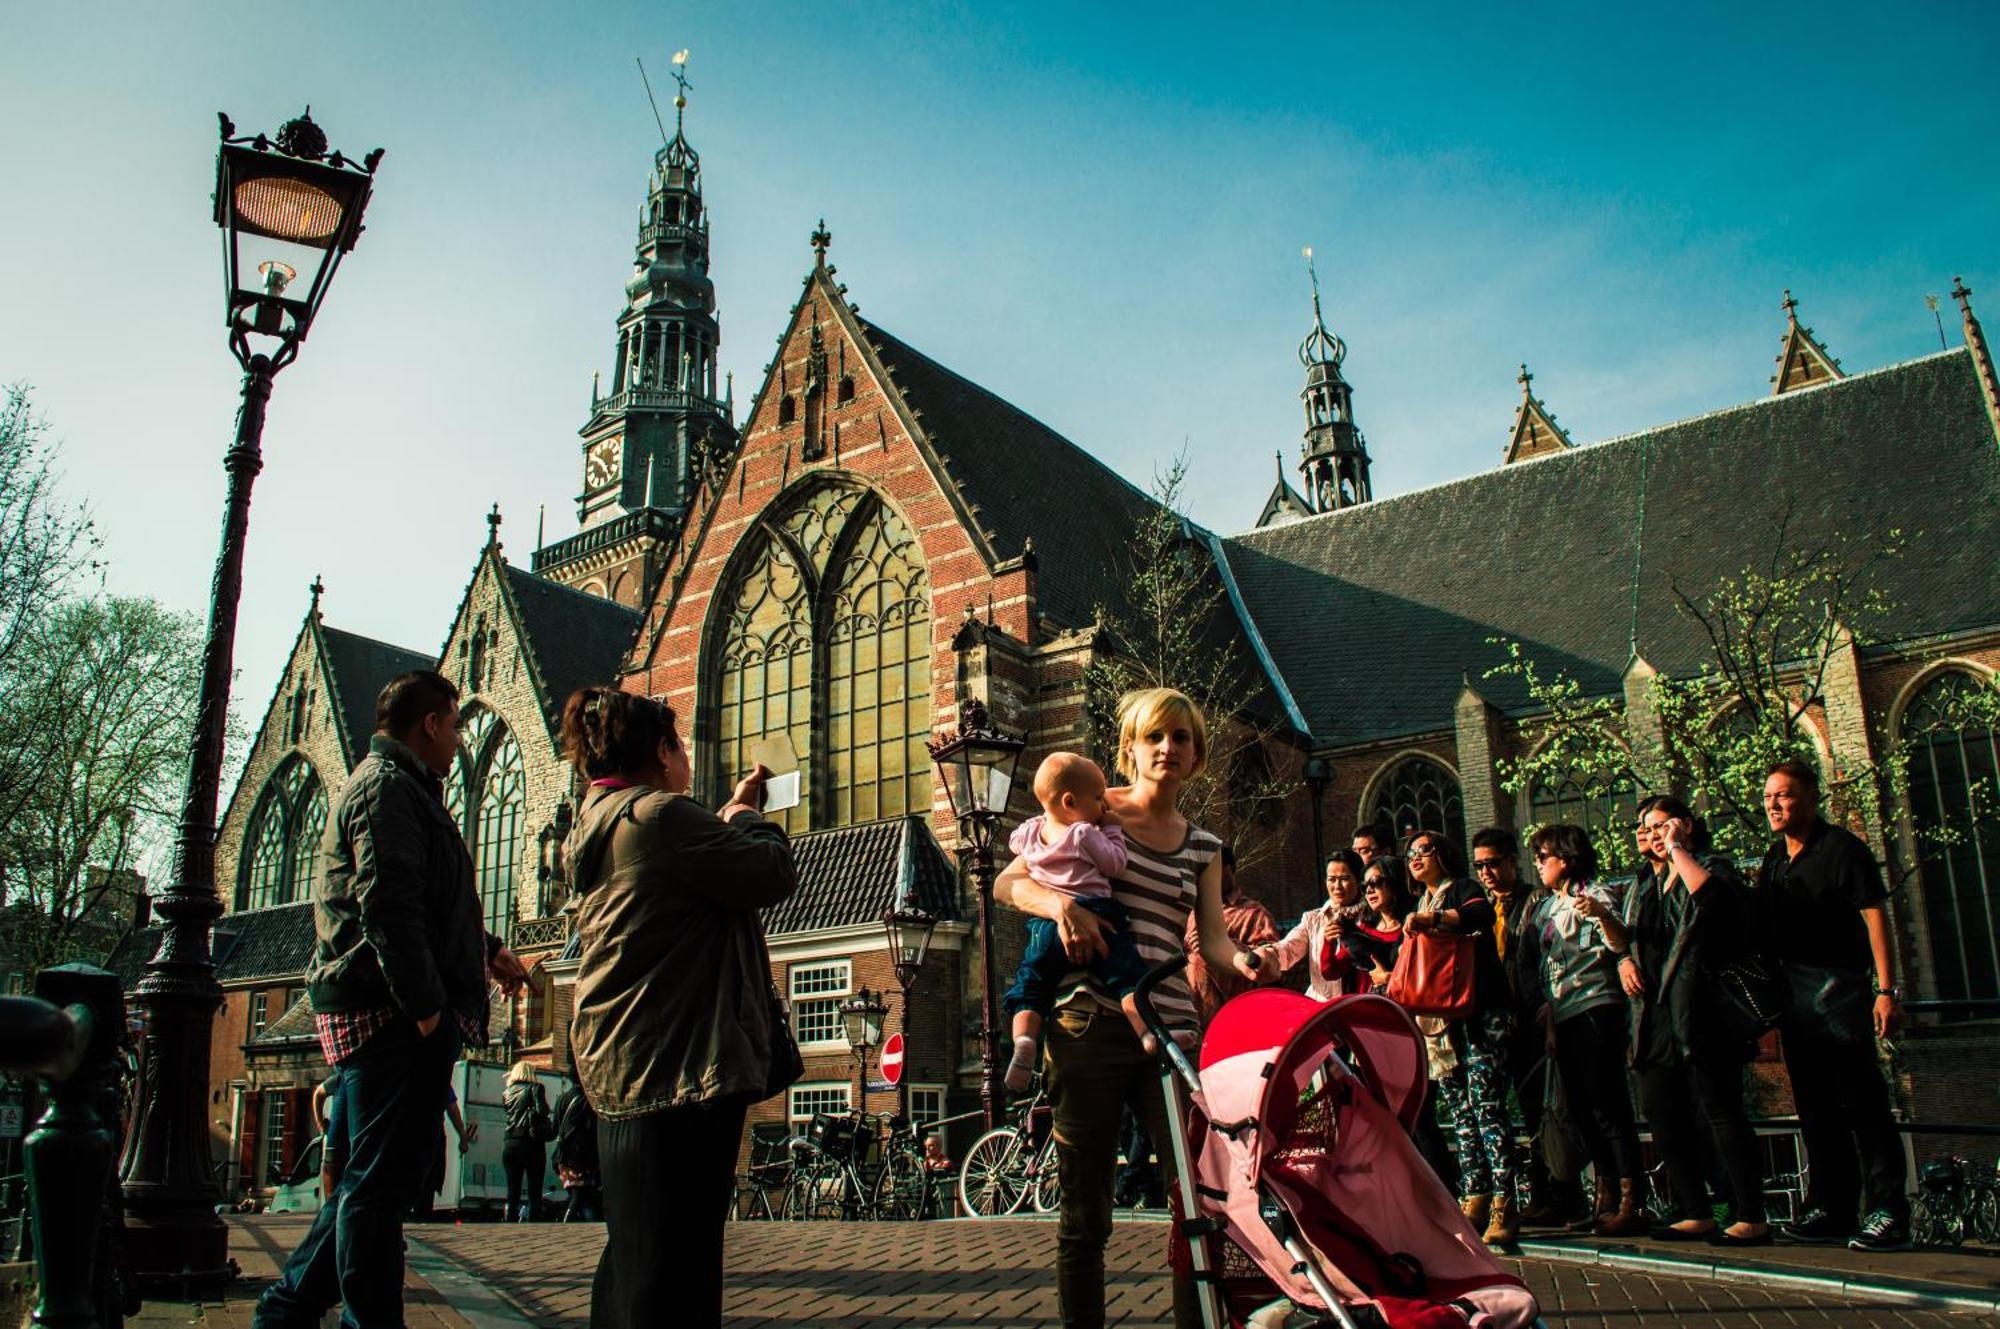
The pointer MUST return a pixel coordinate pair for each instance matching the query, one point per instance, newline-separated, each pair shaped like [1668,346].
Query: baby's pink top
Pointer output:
[1081,862]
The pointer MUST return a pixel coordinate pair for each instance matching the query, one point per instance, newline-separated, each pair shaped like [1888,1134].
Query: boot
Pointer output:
[1601,1208]
[1476,1209]
[1630,1220]
[1505,1228]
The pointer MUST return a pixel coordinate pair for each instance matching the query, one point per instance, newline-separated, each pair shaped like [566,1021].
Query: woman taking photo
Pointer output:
[1093,1064]
[1687,917]
[524,1154]
[1329,939]
[1570,940]
[673,1025]
[1468,1054]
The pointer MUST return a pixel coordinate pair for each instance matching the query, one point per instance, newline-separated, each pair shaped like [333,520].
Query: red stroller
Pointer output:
[1299,1183]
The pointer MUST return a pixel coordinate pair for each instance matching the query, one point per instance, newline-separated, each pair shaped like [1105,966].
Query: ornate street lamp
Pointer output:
[976,766]
[1318,774]
[909,929]
[289,212]
[862,1015]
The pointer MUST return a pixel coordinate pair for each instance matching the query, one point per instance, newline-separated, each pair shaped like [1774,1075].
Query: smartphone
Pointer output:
[777,755]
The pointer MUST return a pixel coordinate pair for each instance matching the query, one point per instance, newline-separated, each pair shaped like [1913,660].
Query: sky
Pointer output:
[1095,211]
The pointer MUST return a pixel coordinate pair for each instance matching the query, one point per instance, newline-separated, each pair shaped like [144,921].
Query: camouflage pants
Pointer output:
[1473,1103]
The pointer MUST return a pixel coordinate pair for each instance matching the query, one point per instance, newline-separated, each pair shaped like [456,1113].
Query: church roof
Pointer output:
[573,638]
[1022,480]
[850,876]
[250,944]
[1413,588]
[360,667]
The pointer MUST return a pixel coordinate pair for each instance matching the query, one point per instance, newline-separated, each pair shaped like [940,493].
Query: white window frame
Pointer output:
[821,1090]
[277,1105]
[924,1116]
[260,1012]
[818,987]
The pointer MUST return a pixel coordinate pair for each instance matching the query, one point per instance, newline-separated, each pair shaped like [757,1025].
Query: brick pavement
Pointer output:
[995,1275]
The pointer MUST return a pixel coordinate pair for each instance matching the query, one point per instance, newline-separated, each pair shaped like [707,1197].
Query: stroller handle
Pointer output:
[1142,1000]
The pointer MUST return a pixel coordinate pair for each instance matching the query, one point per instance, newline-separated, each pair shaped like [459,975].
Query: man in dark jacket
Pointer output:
[1824,908]
[398,982]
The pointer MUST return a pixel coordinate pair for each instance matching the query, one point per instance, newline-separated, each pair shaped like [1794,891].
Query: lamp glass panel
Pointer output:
[874,1023]
[854,1024]
[286,208]
[999,784]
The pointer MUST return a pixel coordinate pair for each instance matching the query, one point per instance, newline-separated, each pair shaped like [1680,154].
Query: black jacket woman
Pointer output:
[524,1153]
[1469,1054]
[1687,915]
[673,1025]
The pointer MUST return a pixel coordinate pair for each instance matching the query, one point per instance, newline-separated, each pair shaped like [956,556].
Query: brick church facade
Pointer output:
[875,540]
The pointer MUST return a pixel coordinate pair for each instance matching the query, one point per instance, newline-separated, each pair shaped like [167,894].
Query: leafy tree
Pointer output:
[1772,634]
[1174,629]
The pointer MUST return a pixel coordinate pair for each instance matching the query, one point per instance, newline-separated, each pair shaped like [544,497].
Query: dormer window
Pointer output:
[788,410]
[845,393]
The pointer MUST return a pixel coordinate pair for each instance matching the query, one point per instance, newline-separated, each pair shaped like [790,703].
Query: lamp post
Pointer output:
[977,765]
[862,1015]
[909,929]
[1318,774]
[295,208]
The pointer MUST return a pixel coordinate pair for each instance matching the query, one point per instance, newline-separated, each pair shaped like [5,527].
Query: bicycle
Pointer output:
[827,1179]
[905,1185]
[1013,1165]
[1958,1200]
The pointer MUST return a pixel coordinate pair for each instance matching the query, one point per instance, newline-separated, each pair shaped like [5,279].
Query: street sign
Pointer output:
[892,1059]
[10,1121]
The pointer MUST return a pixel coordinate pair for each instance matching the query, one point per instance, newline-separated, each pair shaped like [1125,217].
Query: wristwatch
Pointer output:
[1894,994]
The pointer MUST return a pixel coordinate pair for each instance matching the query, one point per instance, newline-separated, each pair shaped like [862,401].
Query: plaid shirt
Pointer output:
[342,1033]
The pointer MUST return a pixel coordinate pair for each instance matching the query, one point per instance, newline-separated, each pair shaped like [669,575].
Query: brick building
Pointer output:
[876,539]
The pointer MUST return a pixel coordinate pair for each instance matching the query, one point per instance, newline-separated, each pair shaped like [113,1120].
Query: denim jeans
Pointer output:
[1096,1069]
[391,1096]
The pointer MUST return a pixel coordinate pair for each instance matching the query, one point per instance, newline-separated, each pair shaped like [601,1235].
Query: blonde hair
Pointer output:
[1144,708]
[522,1072]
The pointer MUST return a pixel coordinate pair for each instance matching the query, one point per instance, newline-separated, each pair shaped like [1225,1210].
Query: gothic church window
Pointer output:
[486,794]
[1607,808]
[825,637]
[285,831]
[1954,778]
[1418,794]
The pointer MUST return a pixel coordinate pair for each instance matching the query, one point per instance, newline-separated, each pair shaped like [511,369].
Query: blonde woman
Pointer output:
[529,1129]
[1093,1061]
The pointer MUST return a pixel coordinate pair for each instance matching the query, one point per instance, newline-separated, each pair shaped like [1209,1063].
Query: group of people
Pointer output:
[677,1029]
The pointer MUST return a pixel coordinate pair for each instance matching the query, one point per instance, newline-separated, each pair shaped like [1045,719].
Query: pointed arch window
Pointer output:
[283,841]
[487,795]
[825,637]
[1606,807]
[1954,779]
[1418,794]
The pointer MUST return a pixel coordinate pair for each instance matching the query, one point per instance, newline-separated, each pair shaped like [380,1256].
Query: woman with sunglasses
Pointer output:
[1468,1054]
[1570,942]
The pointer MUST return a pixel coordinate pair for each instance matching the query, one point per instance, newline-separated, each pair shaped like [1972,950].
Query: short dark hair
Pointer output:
[1795,769]
[1572,845]
[1698,838]
[1446,849]
[1395,879]
[609,732]
[1377,830]
[409,699]
[1349,857]
[1499,839]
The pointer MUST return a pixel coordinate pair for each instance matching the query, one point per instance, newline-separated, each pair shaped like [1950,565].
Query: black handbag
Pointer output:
[787,1066]
[1754,996]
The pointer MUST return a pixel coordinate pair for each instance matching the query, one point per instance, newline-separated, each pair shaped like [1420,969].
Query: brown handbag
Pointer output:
[1433,975]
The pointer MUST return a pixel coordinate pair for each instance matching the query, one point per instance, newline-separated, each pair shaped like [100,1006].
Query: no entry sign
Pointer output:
[892,1059]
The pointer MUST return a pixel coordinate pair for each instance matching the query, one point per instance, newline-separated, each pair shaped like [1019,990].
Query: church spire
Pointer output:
[1803,361]
[1536,433]
[1335,462]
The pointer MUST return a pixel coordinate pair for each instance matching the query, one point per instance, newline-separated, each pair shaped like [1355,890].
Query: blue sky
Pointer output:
[1096,212]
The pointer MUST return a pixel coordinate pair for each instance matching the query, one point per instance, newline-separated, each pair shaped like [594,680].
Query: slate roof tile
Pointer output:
[850,876]
[361,667]
[574,638]
[252,944]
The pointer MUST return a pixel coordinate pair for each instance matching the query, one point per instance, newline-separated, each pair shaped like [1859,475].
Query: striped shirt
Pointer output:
[1159,890]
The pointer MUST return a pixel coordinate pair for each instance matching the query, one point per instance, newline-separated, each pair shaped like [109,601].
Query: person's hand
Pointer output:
[428,1025]
[748,796]
[1085,936]
[1887,1015]
[1630,978]
[1424,920]
[1587,904]
[1379,976]
[470,1135]
[508,971]
[1250,965]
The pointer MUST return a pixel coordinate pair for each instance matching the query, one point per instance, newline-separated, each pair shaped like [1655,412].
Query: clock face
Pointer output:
[600,464]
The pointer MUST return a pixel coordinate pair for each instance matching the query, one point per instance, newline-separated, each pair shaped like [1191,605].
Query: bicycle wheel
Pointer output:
[994,1179]
[1047,1192]
[899,1187]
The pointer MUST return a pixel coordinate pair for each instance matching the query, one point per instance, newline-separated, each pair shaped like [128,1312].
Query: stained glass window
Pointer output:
[826,638]
[283,843]
[1419,794]
[1954,779]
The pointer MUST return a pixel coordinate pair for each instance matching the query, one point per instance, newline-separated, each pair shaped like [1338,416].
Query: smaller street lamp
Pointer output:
[909,930]
[976,766]
[862,1015]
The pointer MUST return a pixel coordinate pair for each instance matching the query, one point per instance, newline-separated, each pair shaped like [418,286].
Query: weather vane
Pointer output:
[680,77]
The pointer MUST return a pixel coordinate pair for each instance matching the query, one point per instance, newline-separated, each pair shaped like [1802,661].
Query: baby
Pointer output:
[1069,849]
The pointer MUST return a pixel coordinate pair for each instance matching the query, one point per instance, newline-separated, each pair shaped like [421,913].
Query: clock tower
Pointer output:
[665,414]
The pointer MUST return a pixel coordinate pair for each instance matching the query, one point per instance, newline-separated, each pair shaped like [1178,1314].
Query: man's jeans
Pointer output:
[391,1094]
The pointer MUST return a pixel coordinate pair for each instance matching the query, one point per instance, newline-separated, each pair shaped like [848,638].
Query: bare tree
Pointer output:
[1173,628]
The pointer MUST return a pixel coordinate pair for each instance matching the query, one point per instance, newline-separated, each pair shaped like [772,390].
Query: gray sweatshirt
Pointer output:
[1578,971]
